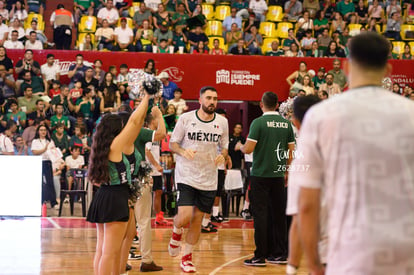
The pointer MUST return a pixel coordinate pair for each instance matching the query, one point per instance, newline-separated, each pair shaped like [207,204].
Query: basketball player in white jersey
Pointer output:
[359,148]
[195,140]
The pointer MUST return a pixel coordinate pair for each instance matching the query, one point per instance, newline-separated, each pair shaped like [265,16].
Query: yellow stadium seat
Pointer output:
[87,24]
[136,4]
[222,44]
[398,47]
[268,29]
[129,22]
[214,28]
[40,22]
[222,12]
[267,44]
[283,29]
[411,47]
[404,29]
[81,38]
[274,14]
[208,11]
[132,10]
[354,29]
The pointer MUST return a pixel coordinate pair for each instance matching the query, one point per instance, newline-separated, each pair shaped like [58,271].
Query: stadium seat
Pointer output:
[398,47]
[214,28]
[208,11]
[267,44]
[268,29]
[40,22]
[411,47]
[354,29]
[283,29]
[211,39]
[404,29]
[130,22]
[87,24]
[274,14]
[81,38]
[222,12]
[132,10]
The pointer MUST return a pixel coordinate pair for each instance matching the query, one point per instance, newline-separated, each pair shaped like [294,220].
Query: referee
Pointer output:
[271,140]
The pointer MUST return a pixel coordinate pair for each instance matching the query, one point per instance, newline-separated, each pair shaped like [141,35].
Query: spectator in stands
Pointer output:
[64,99]
[361,12]
[297,76]
[372,25]
[20,148]
[7,84]
[83,7]
[293,9]
[338,24]
[339,75]
[109,13]
[394,26]
[308,85]
[275,51]
[99,73]
[17,26]
[330,86]
[200,49]
[30,132]
[89,80]
[259,8]
[150,67]
[142,14]
[170,6]
[392,8]
[32,43]
[376,11]
[334,51]
[73,161]
[86,105]
[319,78]
[59,118]
[6,61]
[6,145]
[33,81]
[152,5]
[288,41]
[406,55]
[55,89]
[109,101]
[143,36]
[15,114]
[328,9]
[180,17]
[18,11]
[346,8]
[179,39]
[104,36]
[110,85]
[76,91]
[13,43]
[27,103]
[242,7]
[26,64]
[124,37]
[76,71]
[396,88]
[35,6]
[63,23]
[39,113]
[168,86]
[4,31]
[60,138]
[307,42]
[161,102]
[162,33]
[216,50]
[324,40]
[305,23]
[86,44]
[250,22]
[179,103]
[323,95]
[239,49]
[39,34]
[254,41]
[230,20]
[312,6]
[294,51]
[3,11]
[123,7]
[123,80]
[160,16]
[233,36]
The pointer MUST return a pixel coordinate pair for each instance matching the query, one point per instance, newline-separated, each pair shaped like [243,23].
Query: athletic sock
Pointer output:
[177,230]
[246,205]
[204,223]
[188,249]
[216,211]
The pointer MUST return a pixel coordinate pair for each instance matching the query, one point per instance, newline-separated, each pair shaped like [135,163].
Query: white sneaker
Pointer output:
[187,264]
[174,247]
[66,200]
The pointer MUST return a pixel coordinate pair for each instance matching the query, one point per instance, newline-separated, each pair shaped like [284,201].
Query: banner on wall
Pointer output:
[234,77]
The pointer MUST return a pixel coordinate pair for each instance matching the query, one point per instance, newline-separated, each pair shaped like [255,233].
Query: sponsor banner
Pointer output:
[235,77]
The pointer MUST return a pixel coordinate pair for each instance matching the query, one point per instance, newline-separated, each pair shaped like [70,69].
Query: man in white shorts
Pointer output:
[195,140]
[359,148]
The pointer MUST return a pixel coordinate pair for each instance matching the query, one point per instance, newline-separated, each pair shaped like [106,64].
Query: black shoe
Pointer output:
[277,260]
[246,215]
[217,218]
[208,229]
[132,256]
[135,240]
[212,225]
[128,267]
[255,262]
[150,267]
[132,249]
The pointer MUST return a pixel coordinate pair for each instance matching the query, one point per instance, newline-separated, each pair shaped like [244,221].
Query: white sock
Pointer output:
[246,205]
[216,211]
[291,270]
[177,230]
[204,223]
[188,249]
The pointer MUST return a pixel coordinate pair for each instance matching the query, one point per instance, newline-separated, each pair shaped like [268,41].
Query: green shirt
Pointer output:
[85,108]
[272,133]
[37,85]
[182,18]
[54,120]
[345,8]
[275,53]
[318,82]
[322,22]
[30,105]
[145,135]
[84,3]
[339,78]
[15,117]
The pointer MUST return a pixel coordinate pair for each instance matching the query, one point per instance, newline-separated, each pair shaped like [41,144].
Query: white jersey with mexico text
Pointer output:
[154,148]
[204,137]
[358,147]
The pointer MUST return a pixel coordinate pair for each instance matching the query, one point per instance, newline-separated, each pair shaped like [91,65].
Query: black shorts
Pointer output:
[190,196]
[157,183]
[220,182]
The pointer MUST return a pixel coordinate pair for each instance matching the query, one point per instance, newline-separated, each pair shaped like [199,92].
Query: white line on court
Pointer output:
[54,223]
[228,263]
